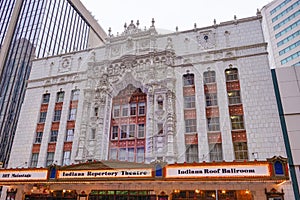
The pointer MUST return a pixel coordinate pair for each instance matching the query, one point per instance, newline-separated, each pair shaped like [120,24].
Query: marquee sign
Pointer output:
[115,173]
[23,175]
[258,170]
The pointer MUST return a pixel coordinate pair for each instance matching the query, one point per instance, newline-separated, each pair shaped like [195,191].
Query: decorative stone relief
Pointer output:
[206,39]
[65,64]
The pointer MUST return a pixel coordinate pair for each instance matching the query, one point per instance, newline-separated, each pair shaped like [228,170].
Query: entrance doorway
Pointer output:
[121,195]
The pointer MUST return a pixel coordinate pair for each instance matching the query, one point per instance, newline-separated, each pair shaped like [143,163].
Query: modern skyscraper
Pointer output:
[32,29]
[281,22]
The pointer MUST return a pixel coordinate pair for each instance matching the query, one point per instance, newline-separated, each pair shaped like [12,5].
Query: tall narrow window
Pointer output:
[213,124]
[237,122]
[141,108]
[131,133]
[96,111]
[240,150]
[38,137]
[189,101]
[141,130]
[215,152]
[66,157]
[130,154]
[133,109]
[50,158]
[140,155]
[113,154]
[93,134]
[116,111]
[75,95]
[211,99]
[231,74]
[72,114]
[160,129]
[190,126]
[53,136]
[46,98]
[60,97]
[209,77]
[125,110]
[34,160]
[114,135]
[70,135]
[192,153]
[188,79]
[234,97]
[57,115]
[123,131]
[43,116]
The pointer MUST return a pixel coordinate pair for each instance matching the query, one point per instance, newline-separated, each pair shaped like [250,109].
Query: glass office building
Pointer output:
[32,29]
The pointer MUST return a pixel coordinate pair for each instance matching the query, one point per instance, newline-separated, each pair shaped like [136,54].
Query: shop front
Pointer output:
[112,180]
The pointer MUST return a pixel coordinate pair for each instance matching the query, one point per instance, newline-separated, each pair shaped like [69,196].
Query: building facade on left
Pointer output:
[32,29]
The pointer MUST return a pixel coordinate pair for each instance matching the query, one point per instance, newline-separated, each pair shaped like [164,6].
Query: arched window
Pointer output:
[188,80]
[231,74]
[209,77]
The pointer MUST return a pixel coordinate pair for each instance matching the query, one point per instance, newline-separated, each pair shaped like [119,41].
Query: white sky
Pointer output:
[169,13]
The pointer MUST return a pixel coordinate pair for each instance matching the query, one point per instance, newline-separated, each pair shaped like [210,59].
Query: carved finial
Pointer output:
[234,17]
[195,25]
[176,28]
[109,31]
[152,22]
[258,12]
[125,26]
[131,23]
[137,23]
[215,21]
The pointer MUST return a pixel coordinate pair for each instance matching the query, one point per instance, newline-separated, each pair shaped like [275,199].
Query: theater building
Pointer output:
[185,115]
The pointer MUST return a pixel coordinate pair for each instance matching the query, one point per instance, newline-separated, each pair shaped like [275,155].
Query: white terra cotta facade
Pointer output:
[170,71]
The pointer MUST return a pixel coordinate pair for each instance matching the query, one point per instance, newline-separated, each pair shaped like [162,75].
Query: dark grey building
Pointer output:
[32,29]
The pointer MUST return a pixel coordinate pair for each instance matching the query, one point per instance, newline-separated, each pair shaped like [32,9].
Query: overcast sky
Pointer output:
[169,13]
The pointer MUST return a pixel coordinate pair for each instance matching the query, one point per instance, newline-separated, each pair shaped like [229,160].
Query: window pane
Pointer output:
[46,98]
[60,97]
[188,79]
[192,153]
[190,125]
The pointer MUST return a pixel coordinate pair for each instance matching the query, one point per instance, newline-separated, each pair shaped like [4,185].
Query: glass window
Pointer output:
[209,77]
[160,129]
[123,131]
[66,158]
[53,136]
[125,110]
[116,111]
[237,122]
[192,153]
[60,97]
[130,154]
[231,74]
[160,104]
[240,150]
[114,134]
[188,80]
[70,135]
[75,95]
[43,116]
[46,98]
[215,152]
[142,108]
[131,130]
[72,114]
[38,137]
[189,102]
[211,99]
[57,115]
[93,134]
[50,158]
[234,97]
[133,109]
[140,154]
[113,154]
[213,124]
[122,154]
[34,159]
[96,111]
[141,130]
[190,125]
